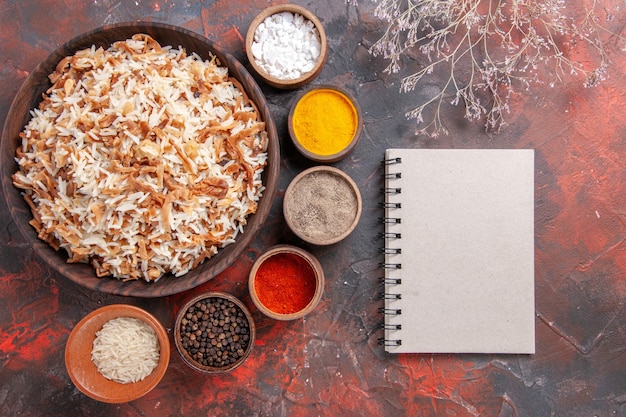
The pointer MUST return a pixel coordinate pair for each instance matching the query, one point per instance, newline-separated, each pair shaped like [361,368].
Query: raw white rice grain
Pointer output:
[125,350]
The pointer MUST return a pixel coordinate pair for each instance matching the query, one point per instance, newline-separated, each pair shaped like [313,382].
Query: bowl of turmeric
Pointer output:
[325,123]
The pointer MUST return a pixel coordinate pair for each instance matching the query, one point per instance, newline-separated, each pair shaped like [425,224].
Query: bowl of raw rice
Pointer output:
[117,353]
[139,159]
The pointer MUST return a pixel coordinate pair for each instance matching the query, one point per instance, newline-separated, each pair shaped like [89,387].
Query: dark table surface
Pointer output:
[330,363]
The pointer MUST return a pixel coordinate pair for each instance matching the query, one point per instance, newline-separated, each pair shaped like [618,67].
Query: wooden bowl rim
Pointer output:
[83,274]
[315,265]
[335,171]
[338,156]
[83,372]
[304,78]
[211,370]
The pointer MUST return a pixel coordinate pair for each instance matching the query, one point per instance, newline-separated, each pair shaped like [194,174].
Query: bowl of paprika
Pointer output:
[325,123]
[286,282]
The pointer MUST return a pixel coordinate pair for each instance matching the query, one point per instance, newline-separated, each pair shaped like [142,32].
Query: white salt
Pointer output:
[286,45]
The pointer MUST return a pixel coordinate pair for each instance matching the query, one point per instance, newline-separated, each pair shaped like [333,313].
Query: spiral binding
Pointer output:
[390,296]
[388,326]
[392,251]
[392,161]
[390,311]
[392,220]
[389,342]
[392,190]
[391,281]
[388,249]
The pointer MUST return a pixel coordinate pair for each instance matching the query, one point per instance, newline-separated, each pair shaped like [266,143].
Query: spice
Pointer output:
[285,283]
[324,121]
[286,45]
[215,332]
[321,206]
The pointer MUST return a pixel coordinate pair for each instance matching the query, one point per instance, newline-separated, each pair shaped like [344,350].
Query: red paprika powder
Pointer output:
[285,283]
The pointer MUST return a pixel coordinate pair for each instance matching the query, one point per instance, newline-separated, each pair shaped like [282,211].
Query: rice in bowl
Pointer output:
[125,350]
[141,159]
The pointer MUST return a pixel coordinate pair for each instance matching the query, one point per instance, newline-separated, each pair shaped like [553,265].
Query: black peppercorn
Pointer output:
[215,332]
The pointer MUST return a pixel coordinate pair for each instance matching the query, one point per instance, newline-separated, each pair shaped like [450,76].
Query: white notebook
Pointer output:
[459,251]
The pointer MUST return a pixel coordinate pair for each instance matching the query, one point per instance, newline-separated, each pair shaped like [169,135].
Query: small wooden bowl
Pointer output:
[322,205]
[326,120]
[304,78]
[307,261]
[178,339]
[83,371]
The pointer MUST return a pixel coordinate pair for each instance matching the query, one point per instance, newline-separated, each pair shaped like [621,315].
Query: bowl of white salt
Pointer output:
[286,46]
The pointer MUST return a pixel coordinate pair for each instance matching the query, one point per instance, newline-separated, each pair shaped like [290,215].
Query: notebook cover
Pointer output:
[467,251]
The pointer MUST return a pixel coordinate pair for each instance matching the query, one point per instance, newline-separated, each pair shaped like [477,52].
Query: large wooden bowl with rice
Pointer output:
[30,95]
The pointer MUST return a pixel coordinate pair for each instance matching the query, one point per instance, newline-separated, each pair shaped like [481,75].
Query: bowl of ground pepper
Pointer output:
[214,333]
[286,282]
[325,123]
[322,205]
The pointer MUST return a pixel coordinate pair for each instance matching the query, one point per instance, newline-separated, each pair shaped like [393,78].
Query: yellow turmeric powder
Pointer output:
[324,121]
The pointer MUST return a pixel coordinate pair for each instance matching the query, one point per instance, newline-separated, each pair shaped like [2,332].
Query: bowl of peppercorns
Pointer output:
[214,333]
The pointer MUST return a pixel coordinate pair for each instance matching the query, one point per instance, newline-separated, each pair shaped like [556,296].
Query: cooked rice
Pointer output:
[141,159]
[125,350]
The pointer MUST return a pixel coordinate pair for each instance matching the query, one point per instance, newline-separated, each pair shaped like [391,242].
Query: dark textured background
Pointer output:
[329,363]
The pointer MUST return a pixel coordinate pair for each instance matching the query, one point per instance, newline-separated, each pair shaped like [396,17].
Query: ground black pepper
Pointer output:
[321,205]
[215,332]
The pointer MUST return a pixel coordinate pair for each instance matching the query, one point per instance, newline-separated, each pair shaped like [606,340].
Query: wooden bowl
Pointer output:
[299,267]
[209,298]
[306,119]
[322,205]
[84,373]
[305,78]
[28,97]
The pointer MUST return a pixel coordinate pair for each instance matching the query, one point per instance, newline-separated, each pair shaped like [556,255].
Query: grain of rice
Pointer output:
[141,159]
[125,350]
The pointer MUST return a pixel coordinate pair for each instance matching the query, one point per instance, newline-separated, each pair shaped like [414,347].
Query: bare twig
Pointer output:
[489,48]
